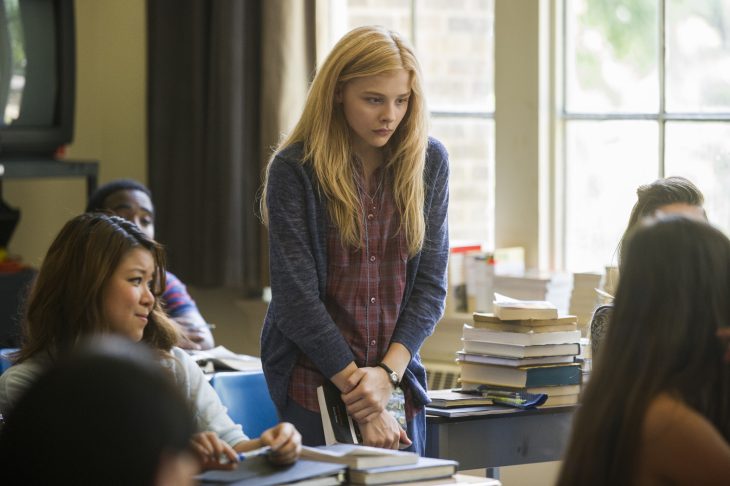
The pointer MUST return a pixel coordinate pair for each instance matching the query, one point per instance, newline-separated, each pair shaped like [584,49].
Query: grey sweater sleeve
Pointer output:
[296,284]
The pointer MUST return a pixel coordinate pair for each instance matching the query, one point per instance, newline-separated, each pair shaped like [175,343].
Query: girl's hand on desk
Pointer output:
[285,442]
[212,452]
[369,398]
[383,431]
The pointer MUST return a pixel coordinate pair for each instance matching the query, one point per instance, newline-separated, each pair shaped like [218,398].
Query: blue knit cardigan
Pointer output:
[297,320]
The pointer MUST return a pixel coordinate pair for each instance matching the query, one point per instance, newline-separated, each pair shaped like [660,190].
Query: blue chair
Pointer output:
[6,358]
[247,398]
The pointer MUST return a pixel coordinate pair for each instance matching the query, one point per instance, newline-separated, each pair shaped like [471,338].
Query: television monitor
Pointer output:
[37,77]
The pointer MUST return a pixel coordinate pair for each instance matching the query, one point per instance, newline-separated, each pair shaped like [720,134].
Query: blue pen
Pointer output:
[242,456]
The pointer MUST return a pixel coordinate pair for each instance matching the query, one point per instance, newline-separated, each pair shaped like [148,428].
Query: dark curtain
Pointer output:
[204,139]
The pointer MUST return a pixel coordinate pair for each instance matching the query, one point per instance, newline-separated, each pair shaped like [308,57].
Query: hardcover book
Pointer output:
[513,362]
[488,317]
[359,456]
[425,468]
[520,351]
[520,338]
[524,310]
[550,391]
[451,398]
[258,471]
[512,326]
[527,376]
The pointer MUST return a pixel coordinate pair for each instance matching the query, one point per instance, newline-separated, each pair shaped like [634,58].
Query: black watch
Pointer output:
[392,375]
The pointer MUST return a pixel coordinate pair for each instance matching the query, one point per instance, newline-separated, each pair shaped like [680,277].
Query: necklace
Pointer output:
[362,190]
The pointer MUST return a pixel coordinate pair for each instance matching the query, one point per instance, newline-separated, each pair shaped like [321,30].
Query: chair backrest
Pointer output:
[247,398]
[599,326]
[6,355]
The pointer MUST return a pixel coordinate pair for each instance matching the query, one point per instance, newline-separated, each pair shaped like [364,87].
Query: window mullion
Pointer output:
[662,51]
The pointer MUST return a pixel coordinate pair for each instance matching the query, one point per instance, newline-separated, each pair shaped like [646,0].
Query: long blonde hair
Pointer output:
[325,134]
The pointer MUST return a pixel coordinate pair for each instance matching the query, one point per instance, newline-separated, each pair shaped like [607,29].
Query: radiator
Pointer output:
[441,376]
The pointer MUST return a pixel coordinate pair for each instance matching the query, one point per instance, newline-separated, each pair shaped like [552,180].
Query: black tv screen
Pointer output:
[37,76]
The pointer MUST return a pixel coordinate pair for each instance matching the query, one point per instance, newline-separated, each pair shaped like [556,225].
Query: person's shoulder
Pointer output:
[18,378]
[182,357]
[171,277]
[665,412]
[679,442]
[288,165]
[436,150]
[291,154]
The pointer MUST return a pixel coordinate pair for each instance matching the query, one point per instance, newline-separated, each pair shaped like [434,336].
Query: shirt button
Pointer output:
[372,343]
[370,216]
[372,300]
[372,258]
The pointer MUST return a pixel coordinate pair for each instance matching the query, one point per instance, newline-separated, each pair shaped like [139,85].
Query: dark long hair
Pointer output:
[661,192]
[672,297]
[66,300]
[108,414]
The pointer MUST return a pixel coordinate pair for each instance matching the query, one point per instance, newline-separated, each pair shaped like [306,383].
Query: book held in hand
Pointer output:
[359,456]
[339,428]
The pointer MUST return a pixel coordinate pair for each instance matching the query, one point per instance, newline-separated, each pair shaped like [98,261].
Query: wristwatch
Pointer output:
[392,375]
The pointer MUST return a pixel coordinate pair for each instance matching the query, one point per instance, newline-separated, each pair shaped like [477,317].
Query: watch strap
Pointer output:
[392,375]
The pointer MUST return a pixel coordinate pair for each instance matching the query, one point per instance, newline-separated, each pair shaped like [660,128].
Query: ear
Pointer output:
[338,93]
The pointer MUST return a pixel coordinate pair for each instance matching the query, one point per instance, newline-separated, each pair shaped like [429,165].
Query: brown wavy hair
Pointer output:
[65,305]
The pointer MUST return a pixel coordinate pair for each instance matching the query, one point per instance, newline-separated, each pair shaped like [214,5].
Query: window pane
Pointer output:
[471,188]
[698,56]
[392,14]
[611,56]
[455,44]
[701,153]
[606,162]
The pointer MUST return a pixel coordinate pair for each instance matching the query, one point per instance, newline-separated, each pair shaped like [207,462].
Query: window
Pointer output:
[455,45]
[631,114]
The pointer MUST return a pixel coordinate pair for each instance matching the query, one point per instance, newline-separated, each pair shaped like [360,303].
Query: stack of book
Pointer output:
[373,465]
[552,287]
[585,359]
[583,298]
[523,346]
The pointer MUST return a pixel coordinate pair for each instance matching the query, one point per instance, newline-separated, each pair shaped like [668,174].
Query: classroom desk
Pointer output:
[508,438]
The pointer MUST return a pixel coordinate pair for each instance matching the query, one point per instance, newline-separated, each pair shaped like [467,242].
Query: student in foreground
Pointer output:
[107,414]
[103,275]
[355,200]
[656,409]
[132,201]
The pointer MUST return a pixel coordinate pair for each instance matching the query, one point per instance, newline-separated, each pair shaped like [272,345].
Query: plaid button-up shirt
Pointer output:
[364,290]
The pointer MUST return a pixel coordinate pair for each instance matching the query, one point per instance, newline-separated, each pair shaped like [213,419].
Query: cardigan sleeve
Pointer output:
[299,312]
[424,306]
